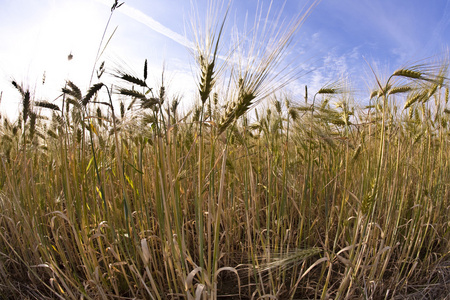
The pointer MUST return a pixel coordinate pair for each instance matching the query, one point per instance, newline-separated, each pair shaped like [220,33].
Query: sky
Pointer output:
[339,39]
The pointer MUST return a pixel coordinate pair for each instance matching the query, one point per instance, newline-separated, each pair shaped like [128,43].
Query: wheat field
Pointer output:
[116,193]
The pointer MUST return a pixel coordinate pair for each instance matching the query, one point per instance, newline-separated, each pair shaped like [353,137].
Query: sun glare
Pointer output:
[68,39]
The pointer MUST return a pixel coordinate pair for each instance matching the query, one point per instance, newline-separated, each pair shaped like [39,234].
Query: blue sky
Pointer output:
[336,40]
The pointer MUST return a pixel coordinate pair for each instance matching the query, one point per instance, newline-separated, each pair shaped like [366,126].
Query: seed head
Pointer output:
[400,89]
[408,73]
[326,91]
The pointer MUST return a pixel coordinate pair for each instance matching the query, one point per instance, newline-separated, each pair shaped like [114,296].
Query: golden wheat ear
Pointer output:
[206,48]
[413,98]
[400,89]
[408,73]
[236,109]
[433,72]
[206,80]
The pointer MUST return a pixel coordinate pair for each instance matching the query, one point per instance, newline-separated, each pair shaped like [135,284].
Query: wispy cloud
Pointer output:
[151,23]
[391,27]
[438,31]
